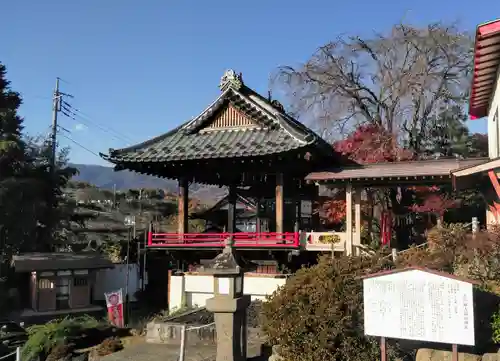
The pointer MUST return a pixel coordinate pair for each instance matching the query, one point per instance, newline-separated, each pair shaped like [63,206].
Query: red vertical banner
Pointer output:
[114,303]
[386,229]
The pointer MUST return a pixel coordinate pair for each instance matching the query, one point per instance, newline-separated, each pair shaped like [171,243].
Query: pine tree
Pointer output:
[12,146]
[33,213]
[13,220]
[449,135]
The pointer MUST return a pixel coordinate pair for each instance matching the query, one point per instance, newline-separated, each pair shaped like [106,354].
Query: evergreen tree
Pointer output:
[449,135]
[34,215]
[12,167]
[11,144]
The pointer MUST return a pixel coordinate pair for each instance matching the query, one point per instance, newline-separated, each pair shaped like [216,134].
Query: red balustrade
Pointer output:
[241,239]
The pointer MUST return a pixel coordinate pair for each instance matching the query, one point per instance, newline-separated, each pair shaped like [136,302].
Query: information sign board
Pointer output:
[418,305]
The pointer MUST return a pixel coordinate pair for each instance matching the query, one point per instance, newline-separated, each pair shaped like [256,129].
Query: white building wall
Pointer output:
[112,279]
[193,290]
[494,122]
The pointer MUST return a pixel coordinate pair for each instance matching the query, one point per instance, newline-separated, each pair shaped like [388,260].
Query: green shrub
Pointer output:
[495,327]
[43,338]
[318,313]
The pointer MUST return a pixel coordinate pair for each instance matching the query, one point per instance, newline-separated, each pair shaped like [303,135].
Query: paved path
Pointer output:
[154,352]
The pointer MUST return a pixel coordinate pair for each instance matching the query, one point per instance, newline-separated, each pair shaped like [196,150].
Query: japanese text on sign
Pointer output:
[421,306]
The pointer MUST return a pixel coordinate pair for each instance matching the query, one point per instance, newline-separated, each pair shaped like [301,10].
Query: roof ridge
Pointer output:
[283,118]
[421,161]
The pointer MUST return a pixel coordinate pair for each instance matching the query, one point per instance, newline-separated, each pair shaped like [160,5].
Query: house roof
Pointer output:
[262,128]
[248,203]
[29,262]
[397,171]
[486,64]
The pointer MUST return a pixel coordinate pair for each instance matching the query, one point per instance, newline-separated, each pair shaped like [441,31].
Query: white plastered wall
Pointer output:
[494,138]
[193,289]
[494,124]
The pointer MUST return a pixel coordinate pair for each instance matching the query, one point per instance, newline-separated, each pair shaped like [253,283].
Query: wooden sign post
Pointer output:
[383,350]
[420,305]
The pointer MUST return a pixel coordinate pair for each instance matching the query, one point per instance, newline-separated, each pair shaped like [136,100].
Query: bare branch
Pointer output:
[396,80]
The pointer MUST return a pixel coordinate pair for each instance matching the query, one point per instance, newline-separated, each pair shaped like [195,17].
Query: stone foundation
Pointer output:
[426,354]
[170,333]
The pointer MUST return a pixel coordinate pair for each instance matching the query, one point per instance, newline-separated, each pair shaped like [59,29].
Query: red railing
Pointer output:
[243,240]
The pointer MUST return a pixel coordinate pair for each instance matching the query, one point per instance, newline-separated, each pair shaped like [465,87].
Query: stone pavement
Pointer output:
[155,352]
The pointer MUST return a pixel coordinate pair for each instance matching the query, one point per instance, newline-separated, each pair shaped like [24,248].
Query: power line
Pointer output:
[73,113]
[80,145]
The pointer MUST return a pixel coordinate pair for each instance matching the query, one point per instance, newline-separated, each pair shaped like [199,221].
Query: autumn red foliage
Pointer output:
[334,210]
[433,201]
[367,144]
[370,143]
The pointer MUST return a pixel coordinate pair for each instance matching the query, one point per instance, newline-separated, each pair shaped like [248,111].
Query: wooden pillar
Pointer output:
[231,210]
[357,220]
[279,202]
[348,219]
[183,206]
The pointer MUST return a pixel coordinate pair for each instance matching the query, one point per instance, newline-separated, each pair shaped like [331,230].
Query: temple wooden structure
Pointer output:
[355,178]
[240,141]
[485,102]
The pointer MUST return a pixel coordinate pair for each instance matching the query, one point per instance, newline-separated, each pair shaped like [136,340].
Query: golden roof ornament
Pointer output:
[231,79]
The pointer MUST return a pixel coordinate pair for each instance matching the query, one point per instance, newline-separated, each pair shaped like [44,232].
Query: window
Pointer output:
[62,293]
[80,281]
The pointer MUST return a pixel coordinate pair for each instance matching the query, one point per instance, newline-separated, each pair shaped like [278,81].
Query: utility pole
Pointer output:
[56,106]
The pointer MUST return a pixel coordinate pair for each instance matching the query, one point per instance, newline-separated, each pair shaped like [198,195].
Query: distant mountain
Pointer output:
[106,177]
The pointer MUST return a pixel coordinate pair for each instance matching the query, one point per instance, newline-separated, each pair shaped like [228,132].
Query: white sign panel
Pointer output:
[421,306]
[305,208]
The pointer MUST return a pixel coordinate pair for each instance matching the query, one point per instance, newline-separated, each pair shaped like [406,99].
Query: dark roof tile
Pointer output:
[275,133]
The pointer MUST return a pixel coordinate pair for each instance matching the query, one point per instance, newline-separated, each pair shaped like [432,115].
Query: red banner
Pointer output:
[386,229]
[114,303]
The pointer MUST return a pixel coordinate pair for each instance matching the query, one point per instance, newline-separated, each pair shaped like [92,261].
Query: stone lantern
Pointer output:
[229,305]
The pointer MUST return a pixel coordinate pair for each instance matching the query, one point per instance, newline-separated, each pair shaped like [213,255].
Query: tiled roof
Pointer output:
[412,169]
[28,262]
[486,63]
[272,132]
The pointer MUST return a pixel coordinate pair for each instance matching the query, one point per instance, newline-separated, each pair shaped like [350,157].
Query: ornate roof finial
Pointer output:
[231,79]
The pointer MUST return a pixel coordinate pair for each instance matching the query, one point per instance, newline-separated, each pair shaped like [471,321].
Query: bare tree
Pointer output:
[397,80]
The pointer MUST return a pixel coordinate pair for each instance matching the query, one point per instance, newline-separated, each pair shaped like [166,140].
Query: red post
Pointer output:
[383,350]
[296,240]
[150,238]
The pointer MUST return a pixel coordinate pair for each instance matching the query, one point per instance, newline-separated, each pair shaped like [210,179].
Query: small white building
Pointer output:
[485,102]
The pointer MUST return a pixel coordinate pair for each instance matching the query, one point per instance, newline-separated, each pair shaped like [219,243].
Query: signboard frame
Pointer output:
[432,300]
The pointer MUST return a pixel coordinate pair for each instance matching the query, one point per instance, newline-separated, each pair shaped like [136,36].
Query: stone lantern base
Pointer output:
[231,324]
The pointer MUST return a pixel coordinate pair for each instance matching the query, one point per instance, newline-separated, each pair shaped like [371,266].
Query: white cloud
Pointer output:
[80,127]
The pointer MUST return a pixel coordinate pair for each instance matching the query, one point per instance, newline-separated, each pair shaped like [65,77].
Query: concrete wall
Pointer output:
[192,289]
[112,279]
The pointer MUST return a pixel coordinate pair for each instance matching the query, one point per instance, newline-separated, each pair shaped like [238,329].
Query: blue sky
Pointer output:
[139,68]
